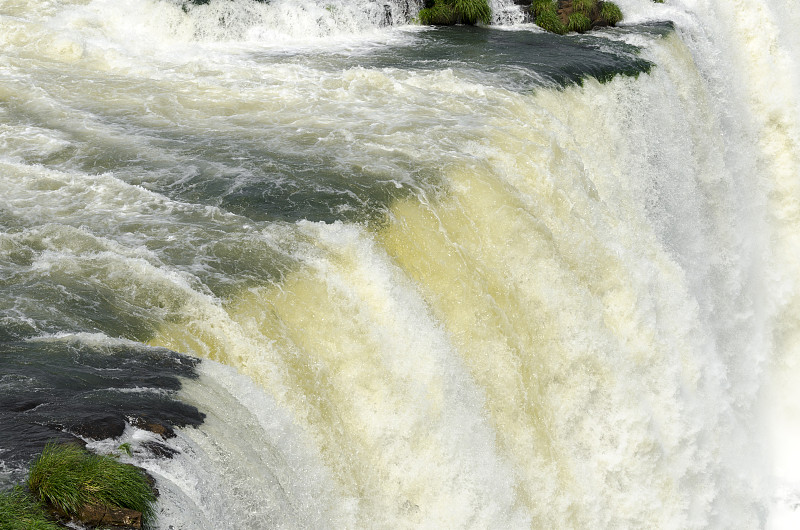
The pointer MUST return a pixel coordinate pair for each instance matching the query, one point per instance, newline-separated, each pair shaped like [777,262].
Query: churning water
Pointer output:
[439,278]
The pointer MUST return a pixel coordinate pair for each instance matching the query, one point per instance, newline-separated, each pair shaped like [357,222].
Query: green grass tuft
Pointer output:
[439,14]
[610,12]
[579,22]
[473,11]
[126,447]
[20,511]
[68,478]
[548,20]
[55,477]
[540,6]
[584,6]
[448,12]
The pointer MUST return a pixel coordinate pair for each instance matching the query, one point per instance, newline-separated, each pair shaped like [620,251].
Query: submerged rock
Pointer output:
[99,426]
[163,429]
[158,449]
[65,390]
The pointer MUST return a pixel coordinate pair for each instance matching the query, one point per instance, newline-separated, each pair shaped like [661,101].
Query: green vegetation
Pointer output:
[20,511]
[126,447]
[545,14]
[67,477]
[584,6]
[611,12]
[548,19]
[540,6]
[578,22]
[437,15]
[449,12]
[473,11]
[562,16]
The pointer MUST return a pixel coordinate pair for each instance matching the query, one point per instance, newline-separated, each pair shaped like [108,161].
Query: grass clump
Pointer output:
[540,6]
[437,15]
[611,12]
[68,478]
[449,12]
[20,511]
[578,22]
[126,447]
[548,20]
[577,15]
[473,11]
[584,6]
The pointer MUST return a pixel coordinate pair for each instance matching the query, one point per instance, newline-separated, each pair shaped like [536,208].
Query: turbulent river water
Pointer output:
[438,278]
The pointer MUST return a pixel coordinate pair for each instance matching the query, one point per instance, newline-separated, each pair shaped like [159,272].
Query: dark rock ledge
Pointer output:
[70,392]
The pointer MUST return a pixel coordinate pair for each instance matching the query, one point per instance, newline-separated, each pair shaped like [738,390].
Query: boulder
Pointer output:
[99,426]
[94,515]
[154,426]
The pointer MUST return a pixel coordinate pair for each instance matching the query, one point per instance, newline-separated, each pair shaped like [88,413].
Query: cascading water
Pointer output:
[439,278]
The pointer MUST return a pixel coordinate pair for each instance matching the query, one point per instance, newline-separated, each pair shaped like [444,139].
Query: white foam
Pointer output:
[572,326]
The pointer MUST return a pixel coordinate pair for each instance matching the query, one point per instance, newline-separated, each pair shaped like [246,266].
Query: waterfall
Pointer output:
[437,278]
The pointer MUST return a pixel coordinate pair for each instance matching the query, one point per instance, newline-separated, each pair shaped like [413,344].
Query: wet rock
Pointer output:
[21,440]
[99,426]
[157,427]
[93,515]
[158,449]
[24,405]
[58,391]
[103,515]
[151,481]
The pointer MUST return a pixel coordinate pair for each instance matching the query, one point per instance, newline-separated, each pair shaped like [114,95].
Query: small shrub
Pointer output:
[20,511]
[67,477]
[584,6]
[579,22]
[610,12]
[548,20]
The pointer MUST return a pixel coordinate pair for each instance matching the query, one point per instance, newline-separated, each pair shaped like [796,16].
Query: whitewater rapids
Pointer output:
[439,278]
